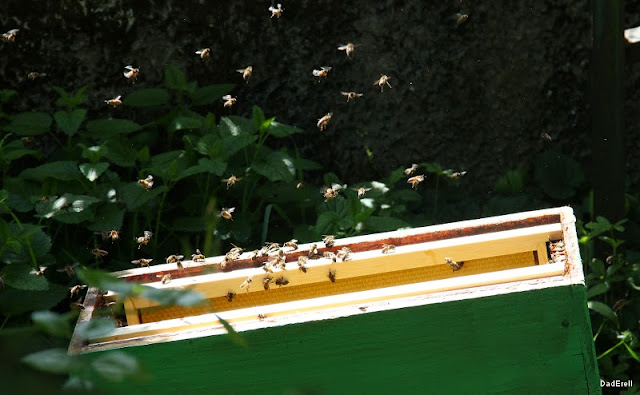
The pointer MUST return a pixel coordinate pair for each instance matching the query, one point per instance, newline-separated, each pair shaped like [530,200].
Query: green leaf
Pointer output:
[327,222]
[93,171]
[597,289]
[95,328]
[210,145]
[121,152]
[108,217]
[55,360]
[70,101]
[170,297]
[4,194]
[105,281]
[70,121]
[233,144]
[93,153]
[34,235]
[603,310]
[104,128]
[275,165]
[18,276]
[62,170]
[384,224]
[558,175]
[174,78]
[279,130]
[67,208]
[31,300]
[233,126]
[117,366]
[6,95]
[52,323]
[258,116]
[134,195]
[234,336]
[144,155]
[180,123]
[210,93]
[512,182]
[30,124]
[147,97]
[15,150]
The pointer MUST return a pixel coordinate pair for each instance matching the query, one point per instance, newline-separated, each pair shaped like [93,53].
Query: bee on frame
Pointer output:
[455,266]
[388,248]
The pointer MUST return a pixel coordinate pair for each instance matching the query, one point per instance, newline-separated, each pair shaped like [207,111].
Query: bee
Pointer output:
[112,234]
[299,185]
[10,36]
[267,267]
[330,255]
[302,263]
[348,49]
[276,11]
[280,281]
[619,304]
[246,73]
[198,256]
[332,275]
[132,73]
[76,306]
[230,296]
[246,283]
[27,141]
[229,101]
[461,18]
[261,317]
[382,81]
[175,259]
[266,281]
[38,272]
[328,240]
[545,136]
[99,253]
[145,239]
[33,75]
[69,269]
[147,183]
[76,289]
[351,95]
[142,262]
[388,248]
[236,250]
[293,244]
[322,122]
[410,170]
[115,102]
[331,192]
[323,72]
[204,53]
[362,308]
[457,174]
[166,279]
[313,251]
[264,251]
[361,191]
[344,254]
[415,180]
[455,266]
[254,256]
[271,247]
[231,181]
[226,213]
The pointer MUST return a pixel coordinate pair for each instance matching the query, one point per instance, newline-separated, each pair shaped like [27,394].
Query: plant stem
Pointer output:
[157,230]
[611,349]
[5,321]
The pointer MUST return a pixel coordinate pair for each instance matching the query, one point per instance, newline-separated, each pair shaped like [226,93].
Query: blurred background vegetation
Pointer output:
[520,129]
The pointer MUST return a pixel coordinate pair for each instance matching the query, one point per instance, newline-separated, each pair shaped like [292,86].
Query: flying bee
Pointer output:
[461,18]
[323,72]
[246,283]
[313,251]
[293,244]
[112,234]
[99,253]
[348,49]
[115,102]
[166,279]
[276,11]
[332,275]
[453,264]
[322,122]
[361,191]
[69,269]
[280,281]
[246,73]
[382,81]
[261,317]
[344,254]
[415,180]
[204,53]
[302,263]
[175,259]
[144,239]
[330,192]
[76,289]
[545,136]
[226,213]
[142,262]
[410,170]
[231,181]
[388,248]
[34,75]
[198,256]
[132,73]
[10,36]
[229,101]
[351,95]
[147,183]
[330,255]
[457,174]
[39,272]
[266,281]
[299,185]
[230,296]
[329,240]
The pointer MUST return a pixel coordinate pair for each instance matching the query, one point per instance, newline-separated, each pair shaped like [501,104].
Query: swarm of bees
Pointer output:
[324,121]
[382,81]
[348,49]
[229,101]
[246,73]
[226,213]
[204,53]
[115,102]
[132,73]
[10,36]
[144,239]
[351,95]
[276,11]
[147,183]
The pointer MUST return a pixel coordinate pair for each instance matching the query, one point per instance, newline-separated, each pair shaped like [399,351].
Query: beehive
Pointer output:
[512,317]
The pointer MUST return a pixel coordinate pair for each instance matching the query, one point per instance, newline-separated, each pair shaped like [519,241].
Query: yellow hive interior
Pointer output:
[326,288]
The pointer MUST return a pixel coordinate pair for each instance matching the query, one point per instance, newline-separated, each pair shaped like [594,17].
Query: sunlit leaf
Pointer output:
[92,171]
[180,123]
[275,165]
[597,289]
[603,310]
[55,360]
[53,323]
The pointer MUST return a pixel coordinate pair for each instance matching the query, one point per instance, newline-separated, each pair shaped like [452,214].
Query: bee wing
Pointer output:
[327,68]
[226,97]
[336,187]
[342,48]
[377,81]
[241,70]
[317,73]
[232,209]
[344,93]
[147,233]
